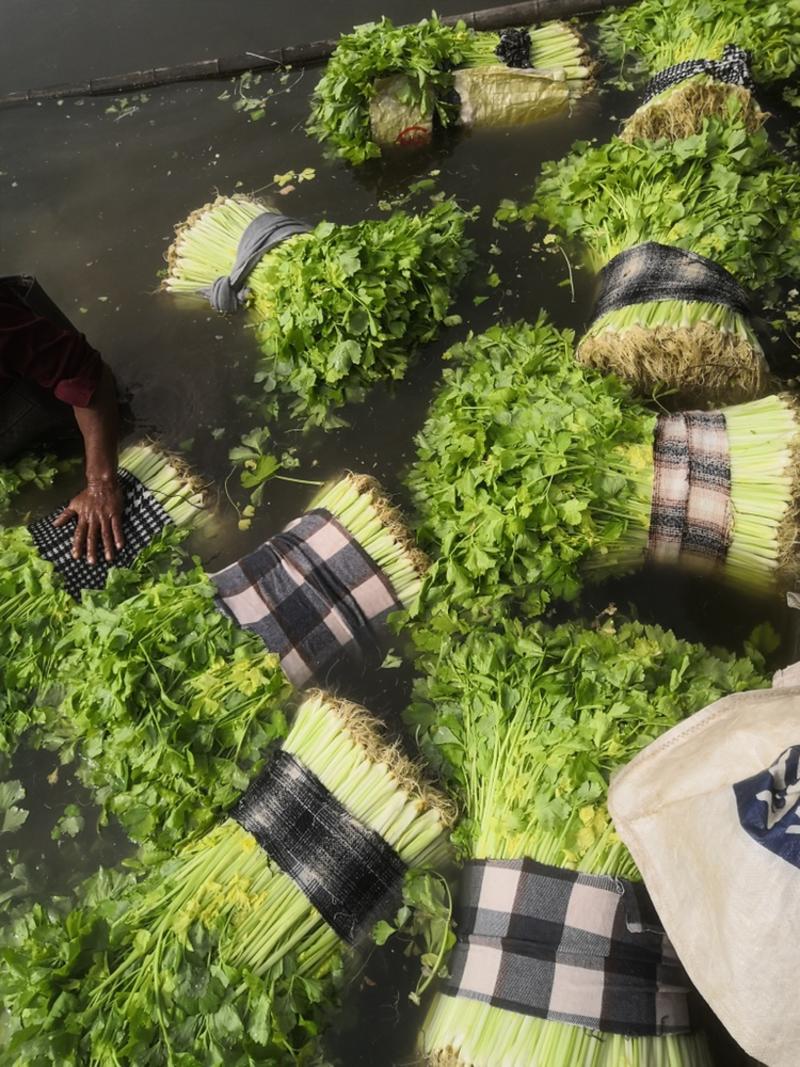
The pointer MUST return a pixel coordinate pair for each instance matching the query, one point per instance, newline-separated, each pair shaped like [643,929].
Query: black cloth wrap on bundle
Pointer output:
[514,49]
[267,230]
[587,950]
[652,271]
[345,869]
[733,69]
[312,594]
[143,518]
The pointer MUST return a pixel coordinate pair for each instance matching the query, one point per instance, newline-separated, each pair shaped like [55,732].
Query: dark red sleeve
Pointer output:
[42,351]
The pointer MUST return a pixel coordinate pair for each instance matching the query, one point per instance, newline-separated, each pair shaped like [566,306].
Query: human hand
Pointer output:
[98,510]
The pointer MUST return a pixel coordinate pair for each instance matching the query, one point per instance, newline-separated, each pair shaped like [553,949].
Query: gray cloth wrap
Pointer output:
[652,271]
[262,234]
[346,870]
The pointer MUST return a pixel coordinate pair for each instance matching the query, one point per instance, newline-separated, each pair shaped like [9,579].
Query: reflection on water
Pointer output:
[89,202]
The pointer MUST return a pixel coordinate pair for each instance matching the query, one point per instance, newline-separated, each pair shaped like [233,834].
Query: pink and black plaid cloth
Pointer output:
[691,515]
[311,593]
[573,948]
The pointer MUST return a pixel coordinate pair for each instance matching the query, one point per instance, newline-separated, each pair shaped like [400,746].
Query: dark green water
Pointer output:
[89,199]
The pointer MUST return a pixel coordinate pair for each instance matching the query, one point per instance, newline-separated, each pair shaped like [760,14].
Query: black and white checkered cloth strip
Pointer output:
[573,948]
[652,271]
[344,868]
[311,593]
[733,69]
[142,520]
[691,515]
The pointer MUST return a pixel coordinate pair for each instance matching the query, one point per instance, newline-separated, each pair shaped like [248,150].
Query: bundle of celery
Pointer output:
[385,84]
[38,471]
[532,472]
[662,33]
[723,194]
[525,726]
[219,955]
[164,700]
[35,608]
[334,310]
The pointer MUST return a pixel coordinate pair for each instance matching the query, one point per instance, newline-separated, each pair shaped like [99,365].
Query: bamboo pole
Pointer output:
[299,55]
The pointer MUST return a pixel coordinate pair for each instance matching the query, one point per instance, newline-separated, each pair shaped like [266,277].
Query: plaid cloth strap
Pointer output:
[652,271]
[311,594]
[142,520]
[345,869]
[691,515]
[733,69]
[574,948]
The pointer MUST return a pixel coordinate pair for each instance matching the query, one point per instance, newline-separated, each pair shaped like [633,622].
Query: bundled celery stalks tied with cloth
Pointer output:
[561,960]
[171,690]
[700,56]
[678,234]
[40,581]
[390,85]
[334,309]
[533,472]
[229,952]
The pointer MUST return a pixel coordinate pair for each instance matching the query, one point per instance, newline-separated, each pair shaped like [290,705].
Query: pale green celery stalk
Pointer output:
[359,504]
[168,479]
[469,1033]
[554,45]
[677,314]
[228,883]
[764,440]
[462,1032]
[206,244]
[693,37]
[765,491]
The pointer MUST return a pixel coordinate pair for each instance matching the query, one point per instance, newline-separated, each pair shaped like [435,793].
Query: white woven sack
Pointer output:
[711,815]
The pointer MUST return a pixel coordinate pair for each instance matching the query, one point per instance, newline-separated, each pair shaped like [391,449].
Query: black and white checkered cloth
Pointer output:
[142,520]
[311,593]
[574,948]
[344,868]
[691,514]
[733,69]
[652,271]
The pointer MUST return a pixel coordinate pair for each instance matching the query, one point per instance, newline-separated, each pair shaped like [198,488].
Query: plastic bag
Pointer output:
[499,96]
[711,814]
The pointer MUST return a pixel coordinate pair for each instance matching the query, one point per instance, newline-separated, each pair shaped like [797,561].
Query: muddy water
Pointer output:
[88,199]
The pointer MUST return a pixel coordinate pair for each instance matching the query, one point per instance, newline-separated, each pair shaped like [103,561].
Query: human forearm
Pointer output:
[98,509]
[99,426]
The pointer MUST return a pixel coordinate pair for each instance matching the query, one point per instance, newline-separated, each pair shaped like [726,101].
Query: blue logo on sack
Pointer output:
[769,806]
